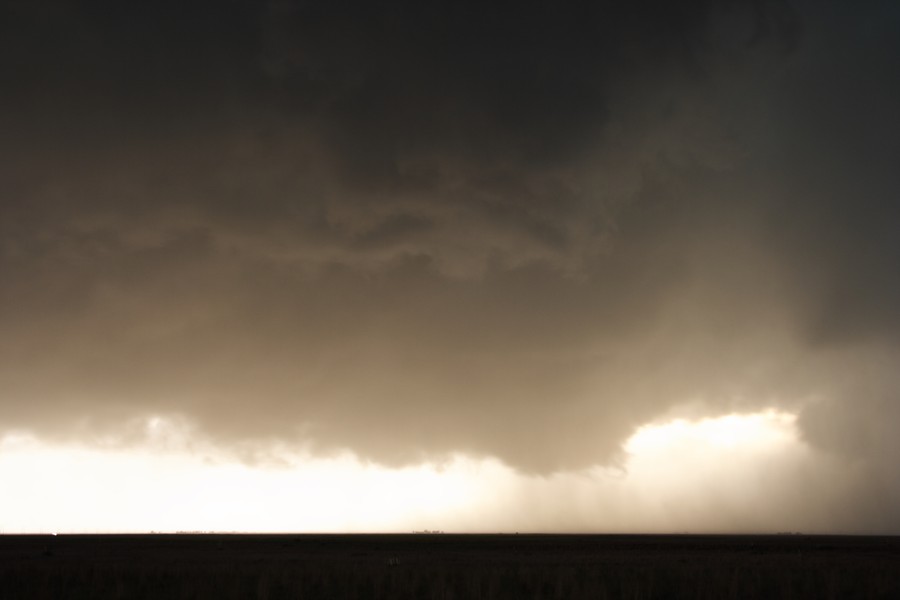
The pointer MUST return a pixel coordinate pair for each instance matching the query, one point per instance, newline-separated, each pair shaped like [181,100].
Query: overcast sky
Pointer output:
[414,231]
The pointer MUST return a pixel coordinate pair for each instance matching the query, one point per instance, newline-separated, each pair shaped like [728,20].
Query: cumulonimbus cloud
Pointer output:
[414,230]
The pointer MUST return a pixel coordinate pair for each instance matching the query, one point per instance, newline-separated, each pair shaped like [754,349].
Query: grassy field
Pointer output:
[426,567]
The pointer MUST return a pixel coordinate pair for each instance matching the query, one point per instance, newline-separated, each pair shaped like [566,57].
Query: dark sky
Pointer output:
[409,229]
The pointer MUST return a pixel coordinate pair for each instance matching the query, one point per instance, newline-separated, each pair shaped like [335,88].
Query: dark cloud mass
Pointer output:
[408,229]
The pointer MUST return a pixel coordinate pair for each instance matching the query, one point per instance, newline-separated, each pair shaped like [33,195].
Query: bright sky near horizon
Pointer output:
[671,473]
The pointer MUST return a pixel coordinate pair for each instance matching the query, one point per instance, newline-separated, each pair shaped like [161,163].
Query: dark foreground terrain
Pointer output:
[424,567]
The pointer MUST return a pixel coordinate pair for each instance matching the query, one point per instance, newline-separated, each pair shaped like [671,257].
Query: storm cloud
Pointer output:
[517,230]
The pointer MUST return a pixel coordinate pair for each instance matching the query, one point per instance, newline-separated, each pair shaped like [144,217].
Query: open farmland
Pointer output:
[424,567]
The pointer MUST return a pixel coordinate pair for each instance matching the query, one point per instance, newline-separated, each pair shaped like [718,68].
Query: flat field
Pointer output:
[449,566]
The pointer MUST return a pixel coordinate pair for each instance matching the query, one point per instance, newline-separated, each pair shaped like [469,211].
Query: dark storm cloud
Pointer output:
[518,230]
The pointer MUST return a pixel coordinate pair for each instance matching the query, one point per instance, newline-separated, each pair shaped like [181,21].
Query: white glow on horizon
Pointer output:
[753,431]
[672,471]
[737,462]
[70,489]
